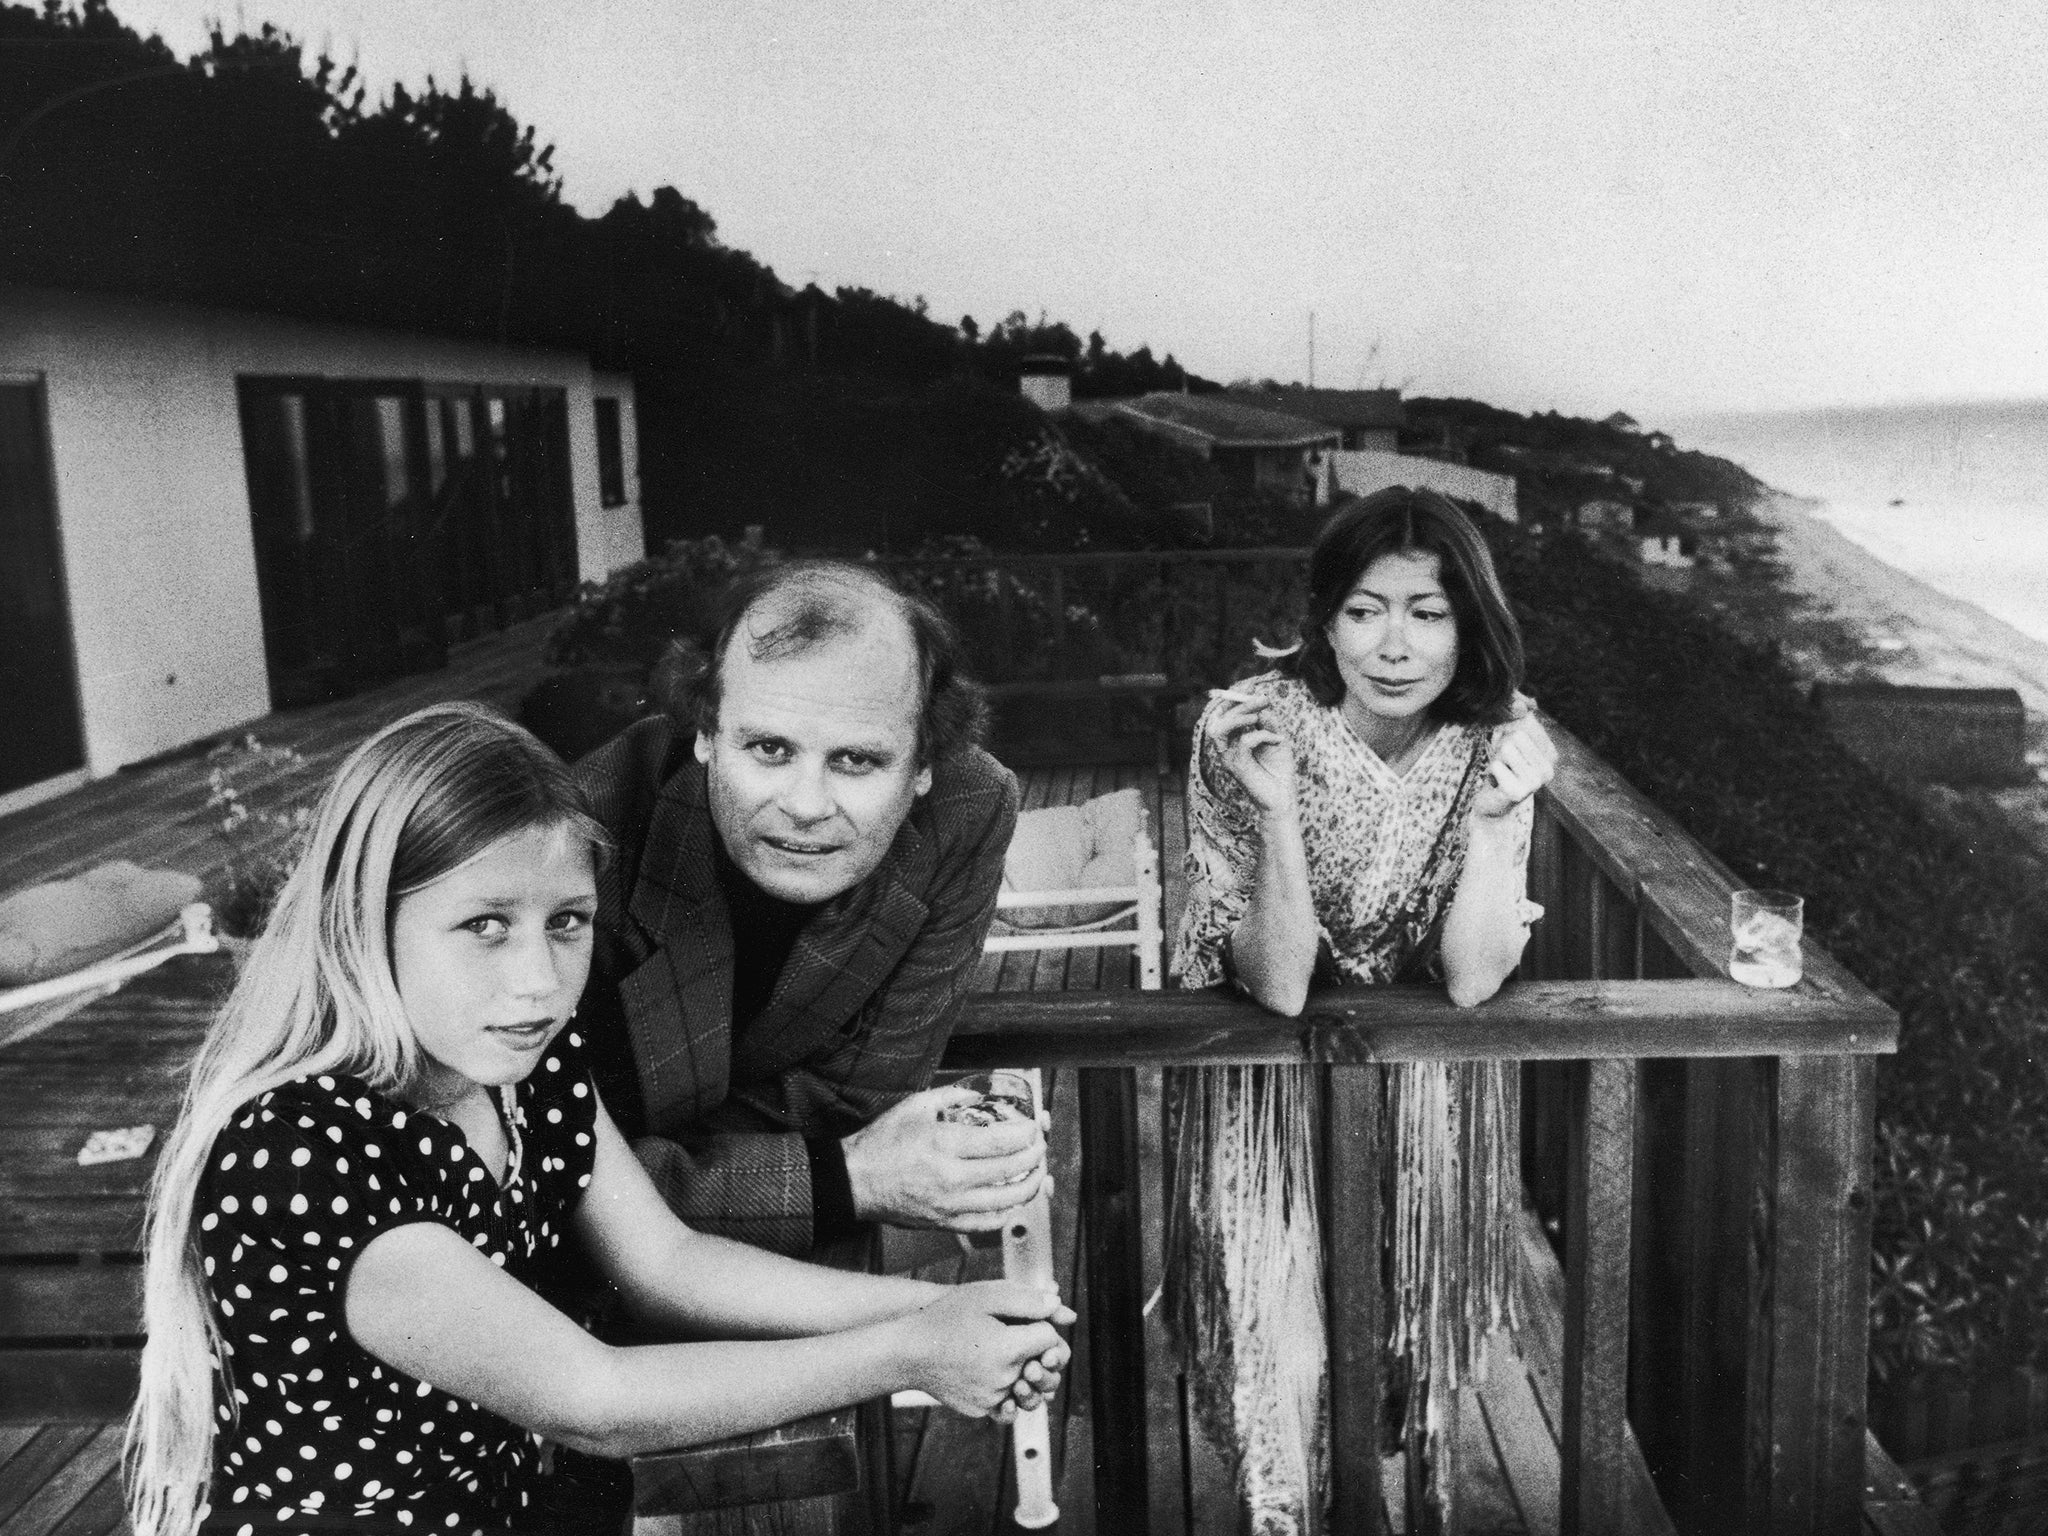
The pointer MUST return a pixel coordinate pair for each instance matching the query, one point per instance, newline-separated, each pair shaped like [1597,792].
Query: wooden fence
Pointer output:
[1700,1151]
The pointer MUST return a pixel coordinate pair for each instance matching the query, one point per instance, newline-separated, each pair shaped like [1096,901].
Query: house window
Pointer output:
[611,454]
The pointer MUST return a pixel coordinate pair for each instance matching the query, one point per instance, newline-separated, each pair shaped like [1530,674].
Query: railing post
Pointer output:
[1116,1302]
[1811,1341]
[1599,1176]
[1353,1130]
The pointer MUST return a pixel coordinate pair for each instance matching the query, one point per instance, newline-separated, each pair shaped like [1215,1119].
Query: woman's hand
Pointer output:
[962,1350]
[1261,760]
[1524,760]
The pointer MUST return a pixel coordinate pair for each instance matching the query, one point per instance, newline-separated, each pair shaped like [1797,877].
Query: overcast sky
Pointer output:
[1652,207]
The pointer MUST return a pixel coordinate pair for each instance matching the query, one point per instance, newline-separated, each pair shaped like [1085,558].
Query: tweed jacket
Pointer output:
[858,1018]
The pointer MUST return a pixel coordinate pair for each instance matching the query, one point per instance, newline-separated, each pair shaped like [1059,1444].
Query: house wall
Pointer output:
[1361,472]
[153,502]
[1047,391]
[609,537]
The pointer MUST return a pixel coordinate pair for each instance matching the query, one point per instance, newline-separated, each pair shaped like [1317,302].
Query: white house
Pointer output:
[206,514]
[1364,471]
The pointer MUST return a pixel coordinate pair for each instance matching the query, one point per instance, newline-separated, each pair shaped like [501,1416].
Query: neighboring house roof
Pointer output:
[1219,421]
[1350,409]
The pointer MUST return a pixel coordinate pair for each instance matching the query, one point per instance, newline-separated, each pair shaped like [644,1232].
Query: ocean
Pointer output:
[1956,494]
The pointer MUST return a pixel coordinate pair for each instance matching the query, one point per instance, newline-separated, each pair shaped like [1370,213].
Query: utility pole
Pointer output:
[1311,349]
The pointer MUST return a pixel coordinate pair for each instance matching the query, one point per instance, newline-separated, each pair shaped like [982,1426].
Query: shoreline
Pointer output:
[1887,624]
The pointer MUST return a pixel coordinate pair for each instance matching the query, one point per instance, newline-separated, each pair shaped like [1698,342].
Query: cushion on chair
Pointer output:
[65,925]
[1068,847]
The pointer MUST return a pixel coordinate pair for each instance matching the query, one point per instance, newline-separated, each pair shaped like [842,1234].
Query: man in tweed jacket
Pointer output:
[827,849]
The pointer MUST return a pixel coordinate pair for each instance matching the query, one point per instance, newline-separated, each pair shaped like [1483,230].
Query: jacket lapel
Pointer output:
[678,1003]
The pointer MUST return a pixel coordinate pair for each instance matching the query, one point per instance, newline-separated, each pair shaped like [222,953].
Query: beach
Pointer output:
[1842,614]
[1907,632]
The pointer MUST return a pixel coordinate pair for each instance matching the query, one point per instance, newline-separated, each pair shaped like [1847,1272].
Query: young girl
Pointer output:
[390,1133]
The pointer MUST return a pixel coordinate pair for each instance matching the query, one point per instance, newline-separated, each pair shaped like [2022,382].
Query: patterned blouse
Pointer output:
[1369,832]
[313,1433]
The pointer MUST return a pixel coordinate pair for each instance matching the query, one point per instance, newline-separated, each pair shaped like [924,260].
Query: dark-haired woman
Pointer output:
[1359,814]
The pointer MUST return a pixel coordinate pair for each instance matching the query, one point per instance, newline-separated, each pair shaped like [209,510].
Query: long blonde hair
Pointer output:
[426,794]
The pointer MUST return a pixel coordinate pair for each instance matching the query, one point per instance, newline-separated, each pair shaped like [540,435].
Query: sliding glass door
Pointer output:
[392,517]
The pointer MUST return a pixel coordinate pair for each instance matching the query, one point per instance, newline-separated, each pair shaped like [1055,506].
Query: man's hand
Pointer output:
[911,1169]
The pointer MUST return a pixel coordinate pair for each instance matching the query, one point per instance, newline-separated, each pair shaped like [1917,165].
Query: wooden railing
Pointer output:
[1700,1153]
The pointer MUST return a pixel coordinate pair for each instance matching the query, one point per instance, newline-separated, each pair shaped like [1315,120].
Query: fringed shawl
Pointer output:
[1245,1283]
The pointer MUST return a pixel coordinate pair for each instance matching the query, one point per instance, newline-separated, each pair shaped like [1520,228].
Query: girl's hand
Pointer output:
[963,1352]
[1524,760]
[1260,759]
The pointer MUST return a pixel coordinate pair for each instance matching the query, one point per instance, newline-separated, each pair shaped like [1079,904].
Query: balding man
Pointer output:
[799,895]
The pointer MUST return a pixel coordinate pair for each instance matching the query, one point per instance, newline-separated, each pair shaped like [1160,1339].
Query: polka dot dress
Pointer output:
[313,1433]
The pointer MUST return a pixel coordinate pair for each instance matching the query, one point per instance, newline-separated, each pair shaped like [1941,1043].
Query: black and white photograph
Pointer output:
[1175,768]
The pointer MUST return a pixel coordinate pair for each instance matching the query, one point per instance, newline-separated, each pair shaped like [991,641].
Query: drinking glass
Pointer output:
[1004,1096]
[1766,926]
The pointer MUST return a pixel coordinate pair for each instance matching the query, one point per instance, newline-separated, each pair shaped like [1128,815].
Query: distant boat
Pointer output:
[1898,501]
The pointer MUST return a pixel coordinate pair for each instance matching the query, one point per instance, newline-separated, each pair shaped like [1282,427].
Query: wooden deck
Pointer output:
[68,1234]
[155,813]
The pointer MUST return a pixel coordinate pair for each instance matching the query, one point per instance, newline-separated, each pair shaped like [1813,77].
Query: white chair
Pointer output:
[1069,845]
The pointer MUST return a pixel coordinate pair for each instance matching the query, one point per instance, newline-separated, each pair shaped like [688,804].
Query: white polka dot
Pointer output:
[426,1146]
[208,1222]
[298,1205]
[300,1346]
[554,1117]
[230,1204]
[338,1204]
[327,1083]
[279,1274]
[307,1453]
[581,1090]
[553,1065]
[344,1470]
[300,1157]
[259,1205]
[262,1156]
[227,1162]
[455,1153]
[334,1133]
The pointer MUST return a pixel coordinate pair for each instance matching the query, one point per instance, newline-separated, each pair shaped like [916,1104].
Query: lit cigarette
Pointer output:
[1235,697]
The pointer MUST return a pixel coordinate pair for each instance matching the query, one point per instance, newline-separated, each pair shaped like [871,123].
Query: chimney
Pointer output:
[1046,381]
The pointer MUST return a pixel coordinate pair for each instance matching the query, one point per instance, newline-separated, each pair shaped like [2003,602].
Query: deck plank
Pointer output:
[101,1512]
[1524,1442]
[68,1484]
[44,1457]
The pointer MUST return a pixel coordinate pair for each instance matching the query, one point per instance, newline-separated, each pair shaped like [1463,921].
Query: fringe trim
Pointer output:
[1244,1260]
